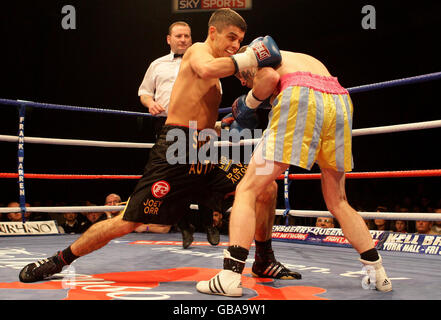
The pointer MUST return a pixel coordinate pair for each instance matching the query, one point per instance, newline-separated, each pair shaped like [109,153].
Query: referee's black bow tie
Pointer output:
[177,55]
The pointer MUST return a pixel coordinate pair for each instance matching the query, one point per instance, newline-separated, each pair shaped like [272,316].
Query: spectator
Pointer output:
[436,227]
[324,222]
[424,227]
[400,226]
[17,216]
[112,200]
[92,218]
[71,224]
[381,224]
[220,222]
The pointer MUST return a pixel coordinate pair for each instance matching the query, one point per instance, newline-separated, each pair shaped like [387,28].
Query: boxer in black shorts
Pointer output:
[166,187]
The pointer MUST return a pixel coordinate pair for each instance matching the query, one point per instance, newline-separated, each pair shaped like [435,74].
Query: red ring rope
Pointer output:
[307,176]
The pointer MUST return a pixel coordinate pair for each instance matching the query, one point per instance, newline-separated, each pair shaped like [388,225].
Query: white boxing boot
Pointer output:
[376,275]
[225,283]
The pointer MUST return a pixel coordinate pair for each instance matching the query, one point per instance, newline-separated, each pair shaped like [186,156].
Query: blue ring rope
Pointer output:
[72,108]
[363,88]
[398,82]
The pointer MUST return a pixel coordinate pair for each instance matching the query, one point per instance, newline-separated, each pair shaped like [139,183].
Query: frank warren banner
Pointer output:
[384,240]
[28,228]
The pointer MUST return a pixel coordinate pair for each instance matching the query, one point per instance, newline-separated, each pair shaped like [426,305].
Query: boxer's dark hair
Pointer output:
[224,17]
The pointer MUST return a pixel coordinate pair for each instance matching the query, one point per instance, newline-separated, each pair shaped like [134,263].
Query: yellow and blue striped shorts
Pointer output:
[310,121]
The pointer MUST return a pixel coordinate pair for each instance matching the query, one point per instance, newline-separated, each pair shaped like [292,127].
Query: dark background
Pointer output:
[101,65]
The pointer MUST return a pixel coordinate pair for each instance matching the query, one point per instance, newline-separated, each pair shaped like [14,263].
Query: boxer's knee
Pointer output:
[269,194]
[123,227]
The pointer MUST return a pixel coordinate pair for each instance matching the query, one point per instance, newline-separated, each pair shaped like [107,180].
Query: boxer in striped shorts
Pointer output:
[310,121]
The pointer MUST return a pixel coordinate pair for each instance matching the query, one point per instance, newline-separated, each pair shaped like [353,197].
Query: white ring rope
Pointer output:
[368,215]
[64,209]
[294,213]
[93,143]
[358,132]
[73,142]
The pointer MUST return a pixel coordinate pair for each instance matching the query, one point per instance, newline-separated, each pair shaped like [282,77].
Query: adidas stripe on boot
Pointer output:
[274,270]
[225,283]
[41,269]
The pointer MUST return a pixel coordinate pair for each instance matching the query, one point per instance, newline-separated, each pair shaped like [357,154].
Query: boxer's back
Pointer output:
[294,61]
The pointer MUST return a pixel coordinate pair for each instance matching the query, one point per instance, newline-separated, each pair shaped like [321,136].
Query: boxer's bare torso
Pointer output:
[196,94]
[194,98]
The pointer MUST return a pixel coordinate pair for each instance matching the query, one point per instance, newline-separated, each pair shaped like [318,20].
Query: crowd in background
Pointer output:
[78,222]
[154,93]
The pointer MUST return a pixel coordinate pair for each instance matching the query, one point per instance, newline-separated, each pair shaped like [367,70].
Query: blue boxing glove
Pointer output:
[227,121]
[236,126]
[245,116]
[261,52]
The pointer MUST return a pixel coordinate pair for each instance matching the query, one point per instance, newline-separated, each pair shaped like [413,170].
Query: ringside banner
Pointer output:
[209,5]
[384,240]
[411,242]
[11,228]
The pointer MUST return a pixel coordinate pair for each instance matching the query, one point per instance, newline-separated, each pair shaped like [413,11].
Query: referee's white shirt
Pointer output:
[159,79]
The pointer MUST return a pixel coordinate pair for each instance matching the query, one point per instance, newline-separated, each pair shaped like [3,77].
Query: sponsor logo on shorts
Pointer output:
[160,189]
[152,206]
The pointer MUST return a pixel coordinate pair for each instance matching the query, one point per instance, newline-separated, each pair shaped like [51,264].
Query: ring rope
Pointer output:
[368,215]
[112,144]
[362,88]
[296,213]
[296,176]
[76,142]
[18,103]
[356,132]
[397,82]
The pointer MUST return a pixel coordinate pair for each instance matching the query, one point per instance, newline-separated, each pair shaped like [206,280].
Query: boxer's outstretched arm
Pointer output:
[208,67]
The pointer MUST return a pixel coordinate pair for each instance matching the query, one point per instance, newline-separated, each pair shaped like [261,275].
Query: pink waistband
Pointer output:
[313,81]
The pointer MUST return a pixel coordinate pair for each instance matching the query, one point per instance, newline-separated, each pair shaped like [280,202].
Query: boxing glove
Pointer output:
[261,52]
[245,116]
[227,121]
[235,125]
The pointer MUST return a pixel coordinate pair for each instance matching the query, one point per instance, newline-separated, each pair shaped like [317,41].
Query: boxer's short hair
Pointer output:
[224,17]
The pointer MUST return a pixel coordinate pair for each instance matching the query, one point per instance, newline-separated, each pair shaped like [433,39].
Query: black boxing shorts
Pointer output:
[165,191]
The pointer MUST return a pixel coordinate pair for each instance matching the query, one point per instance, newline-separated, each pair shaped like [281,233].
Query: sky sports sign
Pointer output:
[210,5]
